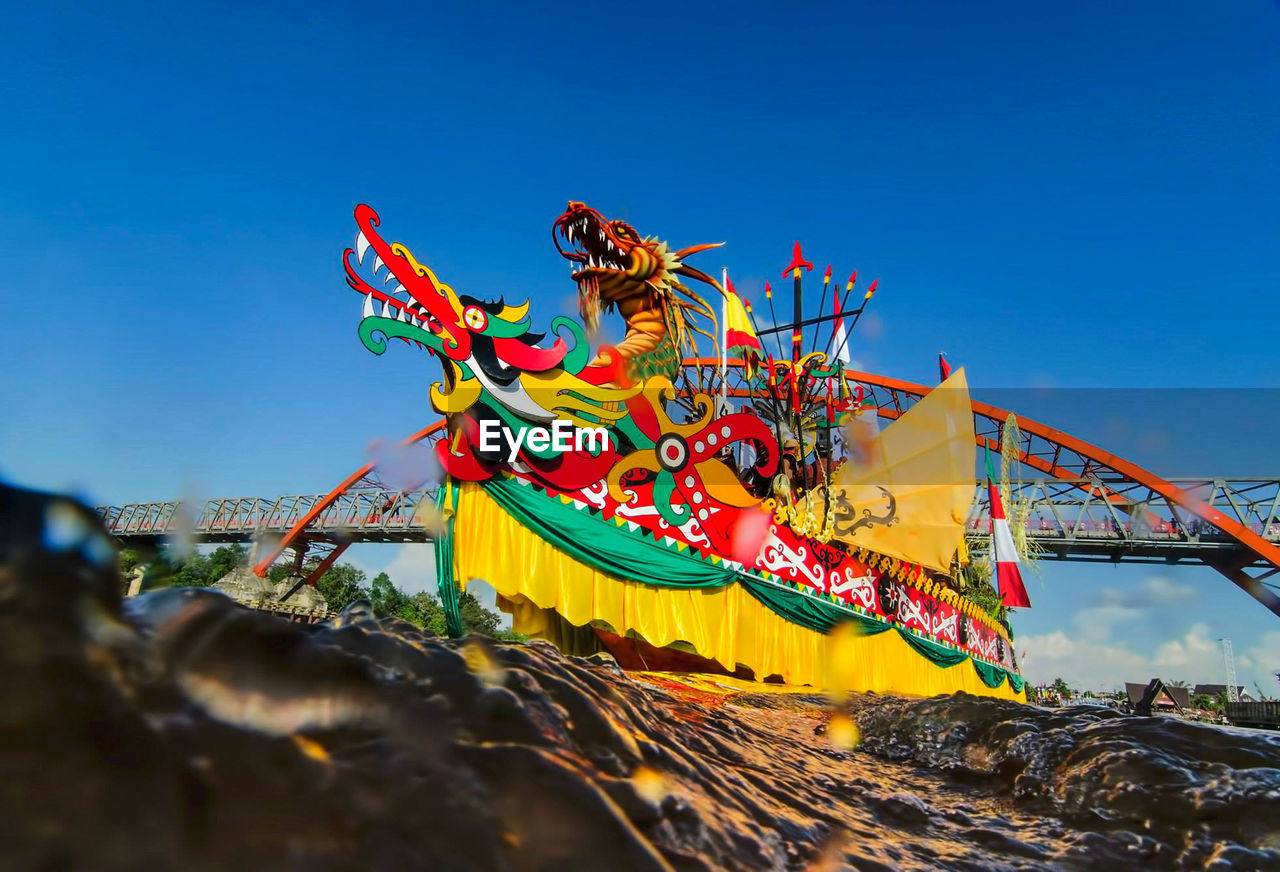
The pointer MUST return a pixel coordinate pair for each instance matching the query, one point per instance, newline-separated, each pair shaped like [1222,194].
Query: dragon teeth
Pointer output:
[377,264]
[367,311]
[386,309]
[362,246]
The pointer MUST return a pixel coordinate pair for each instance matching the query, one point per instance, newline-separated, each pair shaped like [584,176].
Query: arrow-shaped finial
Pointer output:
[797,262]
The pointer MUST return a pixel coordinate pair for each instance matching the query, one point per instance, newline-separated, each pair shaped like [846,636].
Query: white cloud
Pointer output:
[1090,664]
[1195,653]
[1264,663]
[1096,622]
[1154,591]
[1095,654]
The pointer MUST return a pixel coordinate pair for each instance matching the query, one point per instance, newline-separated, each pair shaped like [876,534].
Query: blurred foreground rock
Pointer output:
[181,730]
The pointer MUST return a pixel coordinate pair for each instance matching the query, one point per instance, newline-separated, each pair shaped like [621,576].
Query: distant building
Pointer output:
[1169,698]
[1221,690]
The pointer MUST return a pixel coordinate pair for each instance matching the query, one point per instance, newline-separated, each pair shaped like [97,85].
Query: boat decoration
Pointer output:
[738,515]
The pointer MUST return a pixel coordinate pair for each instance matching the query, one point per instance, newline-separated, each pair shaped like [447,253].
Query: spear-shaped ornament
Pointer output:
[773,316]
[797,264]
[826,284]
[858,314]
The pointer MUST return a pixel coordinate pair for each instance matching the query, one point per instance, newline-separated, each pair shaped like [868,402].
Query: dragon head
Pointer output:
[616,267]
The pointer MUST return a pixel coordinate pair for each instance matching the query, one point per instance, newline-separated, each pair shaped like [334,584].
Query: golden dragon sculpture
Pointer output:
[640,277]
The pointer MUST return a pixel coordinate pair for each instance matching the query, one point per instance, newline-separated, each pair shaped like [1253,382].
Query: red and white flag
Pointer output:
[1013,593]
[838,338]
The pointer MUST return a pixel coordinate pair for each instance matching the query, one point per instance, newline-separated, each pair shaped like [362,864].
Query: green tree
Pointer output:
[427,613]
[195,571]
[342,585]
[225,559]
[475,617]
[1062,688]
[389,601]
[1208,701]
[129,560]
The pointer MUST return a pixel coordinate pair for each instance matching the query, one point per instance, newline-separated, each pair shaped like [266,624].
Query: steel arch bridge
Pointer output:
[1085,503]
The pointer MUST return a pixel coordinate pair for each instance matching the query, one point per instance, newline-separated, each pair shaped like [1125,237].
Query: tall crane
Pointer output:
[1229,662]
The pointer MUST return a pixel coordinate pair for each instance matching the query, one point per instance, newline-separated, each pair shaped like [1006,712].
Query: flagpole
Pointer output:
[768,295]
[724,337]
[839,316]
[777,413]
[858,315]
[797,308]
[826,282]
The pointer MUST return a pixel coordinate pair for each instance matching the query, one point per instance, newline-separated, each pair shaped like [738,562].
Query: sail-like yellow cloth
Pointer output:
[725,624]
[925,462]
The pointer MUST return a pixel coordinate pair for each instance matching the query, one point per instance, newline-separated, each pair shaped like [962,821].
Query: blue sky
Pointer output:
[1081,197]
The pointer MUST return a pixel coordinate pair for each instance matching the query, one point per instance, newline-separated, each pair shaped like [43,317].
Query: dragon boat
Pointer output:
[739,513]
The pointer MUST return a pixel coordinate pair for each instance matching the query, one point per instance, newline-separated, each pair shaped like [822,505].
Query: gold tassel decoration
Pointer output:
[1018,511]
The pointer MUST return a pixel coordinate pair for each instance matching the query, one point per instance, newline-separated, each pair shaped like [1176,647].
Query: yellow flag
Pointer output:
[908,492]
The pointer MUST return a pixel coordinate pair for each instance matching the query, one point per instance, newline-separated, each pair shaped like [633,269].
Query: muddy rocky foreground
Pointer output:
[179,730]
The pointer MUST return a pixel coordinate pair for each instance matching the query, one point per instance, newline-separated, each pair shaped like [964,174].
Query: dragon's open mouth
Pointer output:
[408,311]
[614,266]
[608,259]
[594,245]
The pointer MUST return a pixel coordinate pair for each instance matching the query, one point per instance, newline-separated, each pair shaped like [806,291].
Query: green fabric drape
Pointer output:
[607,548]
[445,584]
[806,611]
[939,655]
[822,617]
[991,675]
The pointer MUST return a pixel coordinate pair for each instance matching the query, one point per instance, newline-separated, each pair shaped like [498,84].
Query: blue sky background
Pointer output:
[1077,196]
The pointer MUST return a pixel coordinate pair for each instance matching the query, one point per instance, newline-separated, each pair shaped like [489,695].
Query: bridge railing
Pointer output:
[369,512]
[1051,511]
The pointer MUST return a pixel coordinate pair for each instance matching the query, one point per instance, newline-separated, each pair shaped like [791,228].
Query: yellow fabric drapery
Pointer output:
[925,459]
[725,624]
